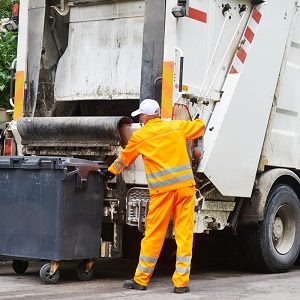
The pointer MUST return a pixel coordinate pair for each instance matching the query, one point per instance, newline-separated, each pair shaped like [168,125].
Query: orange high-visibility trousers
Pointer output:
[181,204]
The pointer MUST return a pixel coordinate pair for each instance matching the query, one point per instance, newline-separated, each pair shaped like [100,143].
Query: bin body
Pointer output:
[45,214]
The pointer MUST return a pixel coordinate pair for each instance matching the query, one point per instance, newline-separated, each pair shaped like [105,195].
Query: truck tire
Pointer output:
[273,245]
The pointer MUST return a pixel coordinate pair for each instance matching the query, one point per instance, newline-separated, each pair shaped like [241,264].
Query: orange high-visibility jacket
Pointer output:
[162,145]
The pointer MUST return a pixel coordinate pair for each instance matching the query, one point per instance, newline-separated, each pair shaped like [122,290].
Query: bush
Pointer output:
[5,8]
[8,52]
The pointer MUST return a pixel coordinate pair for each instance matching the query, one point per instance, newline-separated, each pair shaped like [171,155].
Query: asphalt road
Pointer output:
[207,282]
[215,275]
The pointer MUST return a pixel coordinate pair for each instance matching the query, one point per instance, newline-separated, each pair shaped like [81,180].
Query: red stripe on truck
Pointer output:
[256,15]
[197,15]
[233,70]
[249,35]
[241,54]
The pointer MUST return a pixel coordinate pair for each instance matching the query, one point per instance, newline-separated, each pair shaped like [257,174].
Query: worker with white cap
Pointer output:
[162,145]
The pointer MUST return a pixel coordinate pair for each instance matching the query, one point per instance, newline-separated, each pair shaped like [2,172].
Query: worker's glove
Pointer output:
[106,175]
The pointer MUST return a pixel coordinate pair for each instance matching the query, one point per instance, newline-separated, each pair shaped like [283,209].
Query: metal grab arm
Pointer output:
[214,52]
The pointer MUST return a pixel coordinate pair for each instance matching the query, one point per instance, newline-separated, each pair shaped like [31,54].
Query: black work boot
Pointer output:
[181,290]
[131,284]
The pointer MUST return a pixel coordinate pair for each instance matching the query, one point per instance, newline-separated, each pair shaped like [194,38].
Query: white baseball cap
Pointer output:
[147,107]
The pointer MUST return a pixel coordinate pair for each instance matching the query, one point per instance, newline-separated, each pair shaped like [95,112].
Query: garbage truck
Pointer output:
[84,65]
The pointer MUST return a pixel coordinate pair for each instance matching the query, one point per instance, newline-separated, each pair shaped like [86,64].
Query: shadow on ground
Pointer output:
[210,253]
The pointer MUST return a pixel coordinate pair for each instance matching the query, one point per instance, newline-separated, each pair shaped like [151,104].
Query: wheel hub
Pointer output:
[283,229]
[277,228]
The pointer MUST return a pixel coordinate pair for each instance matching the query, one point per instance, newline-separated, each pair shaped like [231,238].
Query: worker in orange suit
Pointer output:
[162,145]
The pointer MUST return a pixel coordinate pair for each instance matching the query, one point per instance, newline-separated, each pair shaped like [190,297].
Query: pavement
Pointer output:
[207,282]
[215,275]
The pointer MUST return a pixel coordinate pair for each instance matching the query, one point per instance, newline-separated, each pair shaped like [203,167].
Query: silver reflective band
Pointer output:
[121,163]
[183,270]
[168,171]
[170,181]
[117,167]
[184,258]
[145,270]
[148,259]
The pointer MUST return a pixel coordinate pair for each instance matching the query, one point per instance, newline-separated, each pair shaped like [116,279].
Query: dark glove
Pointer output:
[106,175]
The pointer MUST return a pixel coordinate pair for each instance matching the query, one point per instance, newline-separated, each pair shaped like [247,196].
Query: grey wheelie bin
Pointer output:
[50,209]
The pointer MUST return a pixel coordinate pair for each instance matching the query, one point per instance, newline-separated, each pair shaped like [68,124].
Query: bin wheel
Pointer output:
[45,274]
[20,266]
[82,274]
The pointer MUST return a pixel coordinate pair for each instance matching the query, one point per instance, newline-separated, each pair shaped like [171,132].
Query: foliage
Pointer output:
[5,8]
[8,52]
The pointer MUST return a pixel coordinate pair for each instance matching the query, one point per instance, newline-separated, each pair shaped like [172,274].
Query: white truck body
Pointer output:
[234,63]
[233,149]
[110,35]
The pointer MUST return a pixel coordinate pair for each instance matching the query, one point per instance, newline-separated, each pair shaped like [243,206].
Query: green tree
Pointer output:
[8,52]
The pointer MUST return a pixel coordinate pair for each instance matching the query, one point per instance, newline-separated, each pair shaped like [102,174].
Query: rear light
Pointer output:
[198,149]
[9,147]
[15,11]
[197,153]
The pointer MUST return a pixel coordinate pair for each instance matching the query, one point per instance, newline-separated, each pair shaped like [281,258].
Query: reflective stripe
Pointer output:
[117,167]
[170,181]
[168,171]
[183,270]
[145,270]
[148,259]
[184,258]
[167,89]
[117,162]
[121,163]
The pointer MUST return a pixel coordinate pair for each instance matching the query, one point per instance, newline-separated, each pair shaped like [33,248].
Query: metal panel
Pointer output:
[285,122]
[234,141]
[104,54]
[207,45]
[36,18]
[21,69]
[153,49]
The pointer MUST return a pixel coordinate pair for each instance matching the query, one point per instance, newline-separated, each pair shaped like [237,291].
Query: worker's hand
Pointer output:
[106,175]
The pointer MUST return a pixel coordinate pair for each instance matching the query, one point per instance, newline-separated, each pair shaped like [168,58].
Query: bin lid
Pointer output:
[46,162]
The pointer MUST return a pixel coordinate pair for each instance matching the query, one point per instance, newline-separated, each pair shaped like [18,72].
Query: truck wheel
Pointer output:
[273,246]
[45,274]
[20,266]
[82,274]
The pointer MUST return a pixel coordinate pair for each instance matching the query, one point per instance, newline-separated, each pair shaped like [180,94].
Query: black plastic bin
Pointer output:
[49,210]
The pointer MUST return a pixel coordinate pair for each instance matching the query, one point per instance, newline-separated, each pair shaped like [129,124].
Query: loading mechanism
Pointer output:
[100,139]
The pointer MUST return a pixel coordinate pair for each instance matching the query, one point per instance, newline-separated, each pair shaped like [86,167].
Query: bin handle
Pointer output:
[69,174]
[83,171]
[81,181]
[45,159]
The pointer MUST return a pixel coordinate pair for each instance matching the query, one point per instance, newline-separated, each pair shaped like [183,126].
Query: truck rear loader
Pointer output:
[84,65]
